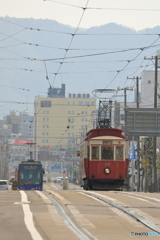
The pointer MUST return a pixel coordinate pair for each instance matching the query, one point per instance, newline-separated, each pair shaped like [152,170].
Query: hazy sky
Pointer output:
[63,12]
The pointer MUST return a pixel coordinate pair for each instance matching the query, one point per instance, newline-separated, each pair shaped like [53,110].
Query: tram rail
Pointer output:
[149,199]
[83,234]
[130,212]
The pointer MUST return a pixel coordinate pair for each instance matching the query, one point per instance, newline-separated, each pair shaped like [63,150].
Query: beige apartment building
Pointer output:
[61,122]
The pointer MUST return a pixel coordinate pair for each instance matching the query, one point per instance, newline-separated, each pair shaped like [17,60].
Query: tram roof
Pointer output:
[107,138]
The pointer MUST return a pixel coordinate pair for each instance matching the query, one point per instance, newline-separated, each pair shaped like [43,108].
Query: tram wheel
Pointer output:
[85,187]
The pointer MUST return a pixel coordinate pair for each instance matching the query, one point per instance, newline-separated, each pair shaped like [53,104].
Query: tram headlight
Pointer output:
[121,176]
[107,170]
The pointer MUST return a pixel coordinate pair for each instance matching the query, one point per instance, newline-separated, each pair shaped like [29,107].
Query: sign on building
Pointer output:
[143,122]
[132,152]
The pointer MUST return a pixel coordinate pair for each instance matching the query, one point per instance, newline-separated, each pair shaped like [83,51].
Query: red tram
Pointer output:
[103,159]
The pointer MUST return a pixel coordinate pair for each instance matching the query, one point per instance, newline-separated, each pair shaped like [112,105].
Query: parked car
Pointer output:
[66,178]
[57,179]
[3,185]
[52,179]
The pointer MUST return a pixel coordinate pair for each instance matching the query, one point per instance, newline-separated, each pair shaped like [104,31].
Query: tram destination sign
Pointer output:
[143,122]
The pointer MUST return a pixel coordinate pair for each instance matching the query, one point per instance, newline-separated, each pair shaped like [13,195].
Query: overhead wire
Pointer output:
[70,49]
[129,63]
[106,53]
[104,8]
[70,41]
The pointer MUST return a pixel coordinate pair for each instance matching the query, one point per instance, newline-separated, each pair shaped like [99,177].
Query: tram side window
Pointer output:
[119,153]
[88,151]
[107,153]
[95,152]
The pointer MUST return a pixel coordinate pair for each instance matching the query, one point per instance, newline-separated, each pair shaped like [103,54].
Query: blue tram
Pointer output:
[30,175]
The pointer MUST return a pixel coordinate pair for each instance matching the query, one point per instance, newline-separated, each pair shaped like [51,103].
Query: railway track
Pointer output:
[83,232]
[136,216]
[75,226]
[138,196]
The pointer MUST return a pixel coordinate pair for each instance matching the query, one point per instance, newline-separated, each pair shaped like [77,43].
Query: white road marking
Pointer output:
[28,218]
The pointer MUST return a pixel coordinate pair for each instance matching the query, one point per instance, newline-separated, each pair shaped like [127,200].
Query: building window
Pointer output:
[47,133]
[69,112]
[73,103]
[43,126]
[43,133]
[149,81]
[72,112]
[43,141]
[122,117]
[47,141]
[47,126]
[45,103]
[43,119]
[68,134]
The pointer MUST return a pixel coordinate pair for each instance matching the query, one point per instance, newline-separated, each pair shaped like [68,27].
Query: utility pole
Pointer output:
[154,168]
[125,101]
[35,136]
[125,108]
[138,142]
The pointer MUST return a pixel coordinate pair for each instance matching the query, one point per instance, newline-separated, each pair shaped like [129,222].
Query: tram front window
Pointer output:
[30,176]
[119,153]
[107,153]
[95,153]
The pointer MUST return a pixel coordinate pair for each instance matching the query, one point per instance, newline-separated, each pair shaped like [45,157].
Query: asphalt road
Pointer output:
[31,215]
